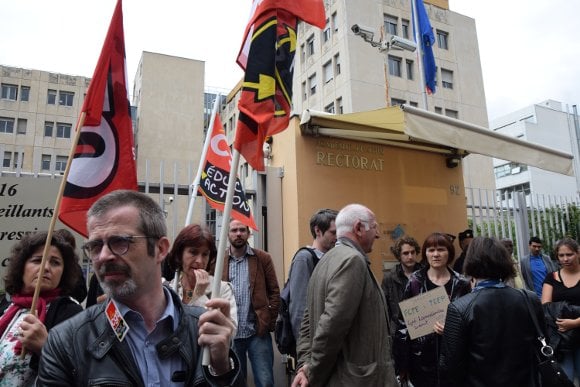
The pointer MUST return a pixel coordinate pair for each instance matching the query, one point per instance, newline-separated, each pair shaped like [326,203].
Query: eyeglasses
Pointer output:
[117,244]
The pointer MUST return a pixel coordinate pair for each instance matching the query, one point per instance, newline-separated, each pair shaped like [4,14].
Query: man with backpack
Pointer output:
[293,295]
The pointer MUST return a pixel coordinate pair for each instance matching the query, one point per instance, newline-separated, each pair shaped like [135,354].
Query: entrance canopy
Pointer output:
[410,127]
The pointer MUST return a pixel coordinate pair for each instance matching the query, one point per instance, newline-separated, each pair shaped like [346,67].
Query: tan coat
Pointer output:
[344,338]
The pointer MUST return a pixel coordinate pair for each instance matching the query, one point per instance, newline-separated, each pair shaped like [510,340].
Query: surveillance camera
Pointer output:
[366,33]
[171,199]
[403,43]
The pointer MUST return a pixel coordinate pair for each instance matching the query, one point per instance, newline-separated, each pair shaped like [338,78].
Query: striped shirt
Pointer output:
[240,280]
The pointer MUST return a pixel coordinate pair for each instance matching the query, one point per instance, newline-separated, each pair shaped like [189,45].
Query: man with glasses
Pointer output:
[536,266]
[344,337]
[406,250]
[142,335]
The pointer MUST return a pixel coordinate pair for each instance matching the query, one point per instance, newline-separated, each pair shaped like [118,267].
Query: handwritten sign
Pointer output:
[421,312]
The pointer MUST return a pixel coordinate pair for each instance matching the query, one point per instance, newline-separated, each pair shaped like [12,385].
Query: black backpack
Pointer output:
[285,340]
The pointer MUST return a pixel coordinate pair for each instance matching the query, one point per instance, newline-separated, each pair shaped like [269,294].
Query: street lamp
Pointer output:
[384,45]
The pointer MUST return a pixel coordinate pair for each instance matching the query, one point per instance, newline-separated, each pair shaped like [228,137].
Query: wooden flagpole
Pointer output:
[50,230]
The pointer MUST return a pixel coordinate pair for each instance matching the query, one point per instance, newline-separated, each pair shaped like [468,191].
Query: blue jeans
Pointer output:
[571,363]
[259,350]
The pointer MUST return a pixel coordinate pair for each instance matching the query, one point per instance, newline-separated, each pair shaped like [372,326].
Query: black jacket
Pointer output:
[84,351]
[393,285]
[420,357]
[490,340]
[561,341]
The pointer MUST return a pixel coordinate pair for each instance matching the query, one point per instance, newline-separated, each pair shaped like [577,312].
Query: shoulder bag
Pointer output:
[551,373]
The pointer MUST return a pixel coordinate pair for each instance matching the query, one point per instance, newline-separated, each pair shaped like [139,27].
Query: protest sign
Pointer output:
[421,312]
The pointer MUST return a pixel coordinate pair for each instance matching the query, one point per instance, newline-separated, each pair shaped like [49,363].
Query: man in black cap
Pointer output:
[465,239]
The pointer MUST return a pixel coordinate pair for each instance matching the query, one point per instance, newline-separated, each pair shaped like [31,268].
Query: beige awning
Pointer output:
[406,126]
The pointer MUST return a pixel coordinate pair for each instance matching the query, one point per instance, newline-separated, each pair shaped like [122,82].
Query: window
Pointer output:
[312,84]
[329,108]
[397,102]
[409,68]
[60,164]
[333,22]
[7,160]
[304,93]
[337,64]
[65,98]
[63,130]
[9,91]
[21,126]
[339,107]
[302,53]
[24,93]
[310,46]
[447,79]
[390,24]
[414,104]
[394,66]
[451,113]
[405,28]
[6,125]
[442,40]
[18,159]
[45,162]
[48,128]
[326,32]
[438,110]
[327,72]
[51,97]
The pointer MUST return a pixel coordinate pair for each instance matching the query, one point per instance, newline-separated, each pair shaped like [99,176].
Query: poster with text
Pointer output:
[421,312]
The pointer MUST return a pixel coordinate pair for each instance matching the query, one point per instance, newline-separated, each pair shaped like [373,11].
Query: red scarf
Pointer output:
[20,301]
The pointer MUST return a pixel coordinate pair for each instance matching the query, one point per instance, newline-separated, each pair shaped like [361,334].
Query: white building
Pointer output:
[547,123]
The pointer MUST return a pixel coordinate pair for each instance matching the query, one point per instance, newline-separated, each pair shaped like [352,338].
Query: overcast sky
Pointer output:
[530,50]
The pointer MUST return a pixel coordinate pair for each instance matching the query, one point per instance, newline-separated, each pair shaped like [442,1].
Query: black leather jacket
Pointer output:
[490,340]
[420,357]
[84,351]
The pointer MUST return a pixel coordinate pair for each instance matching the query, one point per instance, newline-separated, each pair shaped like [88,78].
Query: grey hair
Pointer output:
[348,216]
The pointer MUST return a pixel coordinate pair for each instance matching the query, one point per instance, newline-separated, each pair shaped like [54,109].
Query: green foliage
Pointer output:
[550,224]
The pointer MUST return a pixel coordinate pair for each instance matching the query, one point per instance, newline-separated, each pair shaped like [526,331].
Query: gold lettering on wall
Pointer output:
[340,154]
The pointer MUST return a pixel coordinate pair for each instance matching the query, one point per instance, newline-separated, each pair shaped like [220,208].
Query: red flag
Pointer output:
[267,56]
[214,178]
[104,156]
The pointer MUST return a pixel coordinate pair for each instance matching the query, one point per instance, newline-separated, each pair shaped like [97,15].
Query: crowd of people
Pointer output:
[151,318]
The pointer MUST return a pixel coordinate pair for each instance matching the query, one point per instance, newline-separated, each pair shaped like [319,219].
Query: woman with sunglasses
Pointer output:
[417,360]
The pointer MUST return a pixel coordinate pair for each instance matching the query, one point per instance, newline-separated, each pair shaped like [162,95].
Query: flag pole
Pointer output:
[416,29]
[219,265]
[194,186]
[55,212]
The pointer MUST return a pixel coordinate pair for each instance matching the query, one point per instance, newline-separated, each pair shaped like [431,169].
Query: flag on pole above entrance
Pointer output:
[267,56]
[427,40]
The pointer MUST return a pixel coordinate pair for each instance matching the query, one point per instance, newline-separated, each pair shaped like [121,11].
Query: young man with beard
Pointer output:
[406,250]
[142,335]
[251,273]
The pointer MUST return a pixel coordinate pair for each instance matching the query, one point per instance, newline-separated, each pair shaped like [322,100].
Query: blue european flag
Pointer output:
[427,41]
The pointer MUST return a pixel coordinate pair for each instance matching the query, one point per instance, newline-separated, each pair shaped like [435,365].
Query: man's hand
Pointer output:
[34,333]
[215,332]
[301,379]
[438,327]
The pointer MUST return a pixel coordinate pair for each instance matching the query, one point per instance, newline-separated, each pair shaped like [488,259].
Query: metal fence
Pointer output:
[517,215]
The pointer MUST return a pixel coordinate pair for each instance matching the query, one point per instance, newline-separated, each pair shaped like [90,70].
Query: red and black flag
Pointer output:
[267,56]
[213,184]
[104,155]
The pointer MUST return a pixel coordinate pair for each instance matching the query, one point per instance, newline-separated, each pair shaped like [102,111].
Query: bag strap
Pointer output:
[546,349]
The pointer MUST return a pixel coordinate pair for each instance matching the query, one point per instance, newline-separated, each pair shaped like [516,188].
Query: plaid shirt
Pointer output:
[239,278]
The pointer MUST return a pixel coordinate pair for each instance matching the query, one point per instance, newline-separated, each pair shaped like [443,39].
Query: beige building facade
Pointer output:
[38,116]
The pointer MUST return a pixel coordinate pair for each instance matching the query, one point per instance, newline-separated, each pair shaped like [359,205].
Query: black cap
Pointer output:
[465,234]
